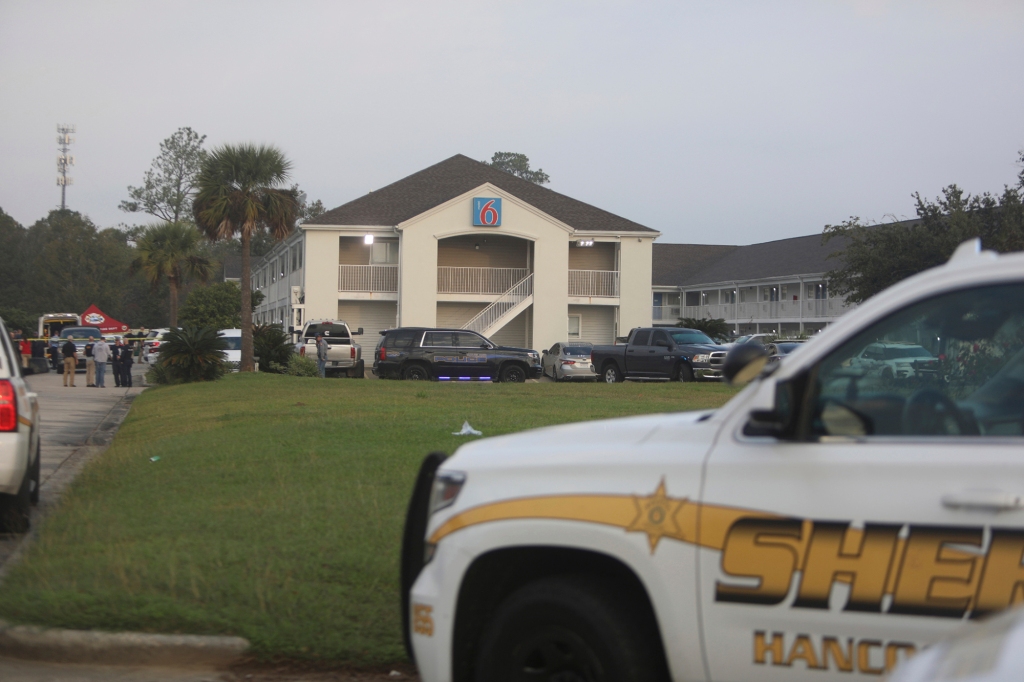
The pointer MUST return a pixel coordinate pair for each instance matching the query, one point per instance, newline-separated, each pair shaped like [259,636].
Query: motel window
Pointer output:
[299,249]
[575,324]
[273,272]
[284,264]
[384,253]
[295,255]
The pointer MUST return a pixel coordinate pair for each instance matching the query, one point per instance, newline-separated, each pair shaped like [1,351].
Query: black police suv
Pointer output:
[420,353]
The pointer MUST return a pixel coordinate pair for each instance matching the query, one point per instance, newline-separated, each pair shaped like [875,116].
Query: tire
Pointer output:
[416,373]
[569,628]
[611,374]
[16,509]
[684,373]
[36,475]
[513,374]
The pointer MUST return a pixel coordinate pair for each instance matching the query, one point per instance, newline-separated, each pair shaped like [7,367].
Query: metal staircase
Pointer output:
[504,309]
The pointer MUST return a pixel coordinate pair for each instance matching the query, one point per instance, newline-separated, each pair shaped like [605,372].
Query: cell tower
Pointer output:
[64,159]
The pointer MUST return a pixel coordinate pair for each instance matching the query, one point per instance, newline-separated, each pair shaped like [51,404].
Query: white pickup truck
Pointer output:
[826,523]
[344,356]
[19,441]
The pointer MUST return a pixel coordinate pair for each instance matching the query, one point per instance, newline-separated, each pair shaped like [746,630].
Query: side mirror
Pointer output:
[291,330]
[744,362]
[545,351]
[359,331]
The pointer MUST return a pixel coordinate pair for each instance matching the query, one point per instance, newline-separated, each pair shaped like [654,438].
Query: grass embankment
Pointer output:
[274,510]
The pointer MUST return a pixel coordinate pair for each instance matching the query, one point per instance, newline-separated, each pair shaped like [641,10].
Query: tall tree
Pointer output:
[168,186]
[172,252]
[240,193]
[519,166]
[217,306]
[874,257]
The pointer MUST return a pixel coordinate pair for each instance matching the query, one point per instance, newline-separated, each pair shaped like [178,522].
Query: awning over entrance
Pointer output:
[94,317]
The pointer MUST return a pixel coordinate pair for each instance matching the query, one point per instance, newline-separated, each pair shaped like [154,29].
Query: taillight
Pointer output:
[302,351]
[568,362]
[155,344]
[352,352]
[8,407]
[383,353]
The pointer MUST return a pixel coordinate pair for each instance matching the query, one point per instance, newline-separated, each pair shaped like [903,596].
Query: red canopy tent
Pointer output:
[94,317]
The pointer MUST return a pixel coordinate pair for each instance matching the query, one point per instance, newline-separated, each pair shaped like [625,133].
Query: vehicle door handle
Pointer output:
[983,500]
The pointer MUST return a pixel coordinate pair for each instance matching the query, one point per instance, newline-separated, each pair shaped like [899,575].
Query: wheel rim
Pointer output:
[555,654]
[609,376]
[416,374]
[514,375]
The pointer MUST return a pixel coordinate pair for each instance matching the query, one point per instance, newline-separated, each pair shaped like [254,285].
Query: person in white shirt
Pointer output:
[100,354]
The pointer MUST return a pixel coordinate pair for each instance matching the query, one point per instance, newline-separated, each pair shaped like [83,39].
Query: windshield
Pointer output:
[581,351]
[691,337]
[81,333]
[234,342]
[337,331]
[911,352]
[785,348]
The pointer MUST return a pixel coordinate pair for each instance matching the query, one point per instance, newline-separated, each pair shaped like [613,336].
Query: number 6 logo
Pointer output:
[486,212]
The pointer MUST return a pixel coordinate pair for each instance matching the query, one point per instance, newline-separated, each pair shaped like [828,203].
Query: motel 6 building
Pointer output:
[461,244]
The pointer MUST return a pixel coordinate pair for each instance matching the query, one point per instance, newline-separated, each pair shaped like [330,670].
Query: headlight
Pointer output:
[701,358]
[447,485]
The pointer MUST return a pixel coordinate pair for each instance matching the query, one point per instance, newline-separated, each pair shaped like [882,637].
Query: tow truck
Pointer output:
[824,524]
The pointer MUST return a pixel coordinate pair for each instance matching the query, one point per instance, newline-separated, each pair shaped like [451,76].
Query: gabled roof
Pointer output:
[430,187]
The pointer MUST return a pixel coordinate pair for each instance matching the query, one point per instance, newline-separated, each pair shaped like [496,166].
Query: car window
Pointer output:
[642,338]
[580,351]
[403,338]
[81,333]
[555,349]
[958,371]
[692,337]
[437,339]
[469,340]
[234,342]
[659,336]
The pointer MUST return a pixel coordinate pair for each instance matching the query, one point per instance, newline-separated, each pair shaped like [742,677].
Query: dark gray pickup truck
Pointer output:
[660,353]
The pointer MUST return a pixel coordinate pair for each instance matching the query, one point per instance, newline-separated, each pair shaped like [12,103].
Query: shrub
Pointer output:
[301,366]
[157,375]
[192,354]
[272,345]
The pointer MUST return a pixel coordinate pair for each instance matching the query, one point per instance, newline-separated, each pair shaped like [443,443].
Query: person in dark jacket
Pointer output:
[125,352]
[70,361]
[115,362]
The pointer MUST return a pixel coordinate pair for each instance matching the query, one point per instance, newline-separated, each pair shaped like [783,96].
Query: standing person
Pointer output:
[70,353]
[321,355]
[100,354]
[90,365]
[126,365]
[115,363]
[25,348]
[54,350]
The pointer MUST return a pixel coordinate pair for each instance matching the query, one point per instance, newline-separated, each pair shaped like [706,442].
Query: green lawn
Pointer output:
[275,508]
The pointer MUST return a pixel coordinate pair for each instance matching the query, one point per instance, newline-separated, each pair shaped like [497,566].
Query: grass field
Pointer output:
[271,507]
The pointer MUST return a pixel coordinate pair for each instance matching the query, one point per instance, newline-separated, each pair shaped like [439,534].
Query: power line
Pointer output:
[64,159]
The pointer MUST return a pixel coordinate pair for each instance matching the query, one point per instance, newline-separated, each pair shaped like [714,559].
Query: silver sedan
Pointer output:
[569,360]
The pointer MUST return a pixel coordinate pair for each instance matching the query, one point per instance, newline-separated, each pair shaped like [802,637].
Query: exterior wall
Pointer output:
[600,256]
[372,316]
[496,251]
[276,307]
[635,286]
[597,323]
[321,285]
[457,314]
[514,333]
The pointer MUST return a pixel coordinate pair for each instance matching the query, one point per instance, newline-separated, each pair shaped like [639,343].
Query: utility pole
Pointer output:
[64,159]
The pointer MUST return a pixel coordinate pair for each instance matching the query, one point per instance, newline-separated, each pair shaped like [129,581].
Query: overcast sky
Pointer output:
[713,122]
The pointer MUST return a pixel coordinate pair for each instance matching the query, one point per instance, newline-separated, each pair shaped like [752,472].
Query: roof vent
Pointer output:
[969,251]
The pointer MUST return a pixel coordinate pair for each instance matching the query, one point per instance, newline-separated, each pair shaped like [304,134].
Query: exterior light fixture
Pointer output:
[476,246]
[585,242]
[368,239]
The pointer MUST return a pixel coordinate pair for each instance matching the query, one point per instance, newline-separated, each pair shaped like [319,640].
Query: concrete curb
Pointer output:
[119,648]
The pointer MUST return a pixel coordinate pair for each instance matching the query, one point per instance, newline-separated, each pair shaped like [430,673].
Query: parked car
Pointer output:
[420,353]
[895,360]
[569,361]
[80,337]
[151,344]
[816,526]
[233,354]
[673,353]
[19,441]
[780,349]
[344,356]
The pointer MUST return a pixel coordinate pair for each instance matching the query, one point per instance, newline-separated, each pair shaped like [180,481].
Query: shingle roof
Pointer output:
[674,264]
[430,187]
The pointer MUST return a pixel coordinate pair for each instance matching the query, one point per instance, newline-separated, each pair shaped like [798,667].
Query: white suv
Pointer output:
[19,441]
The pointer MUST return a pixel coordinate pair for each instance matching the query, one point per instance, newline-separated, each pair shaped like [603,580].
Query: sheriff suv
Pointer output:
[824,524]
[19,441]
[419,353]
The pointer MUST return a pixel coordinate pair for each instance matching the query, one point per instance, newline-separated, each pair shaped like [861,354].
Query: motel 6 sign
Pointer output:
[486,212]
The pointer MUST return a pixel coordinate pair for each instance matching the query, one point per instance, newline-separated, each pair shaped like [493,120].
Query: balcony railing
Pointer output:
[594,283]
[665,313]
[769,310]
[459,280]
[373,278]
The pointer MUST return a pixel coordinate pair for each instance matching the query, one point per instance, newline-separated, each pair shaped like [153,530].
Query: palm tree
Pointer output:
[240,194]
[171,251]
